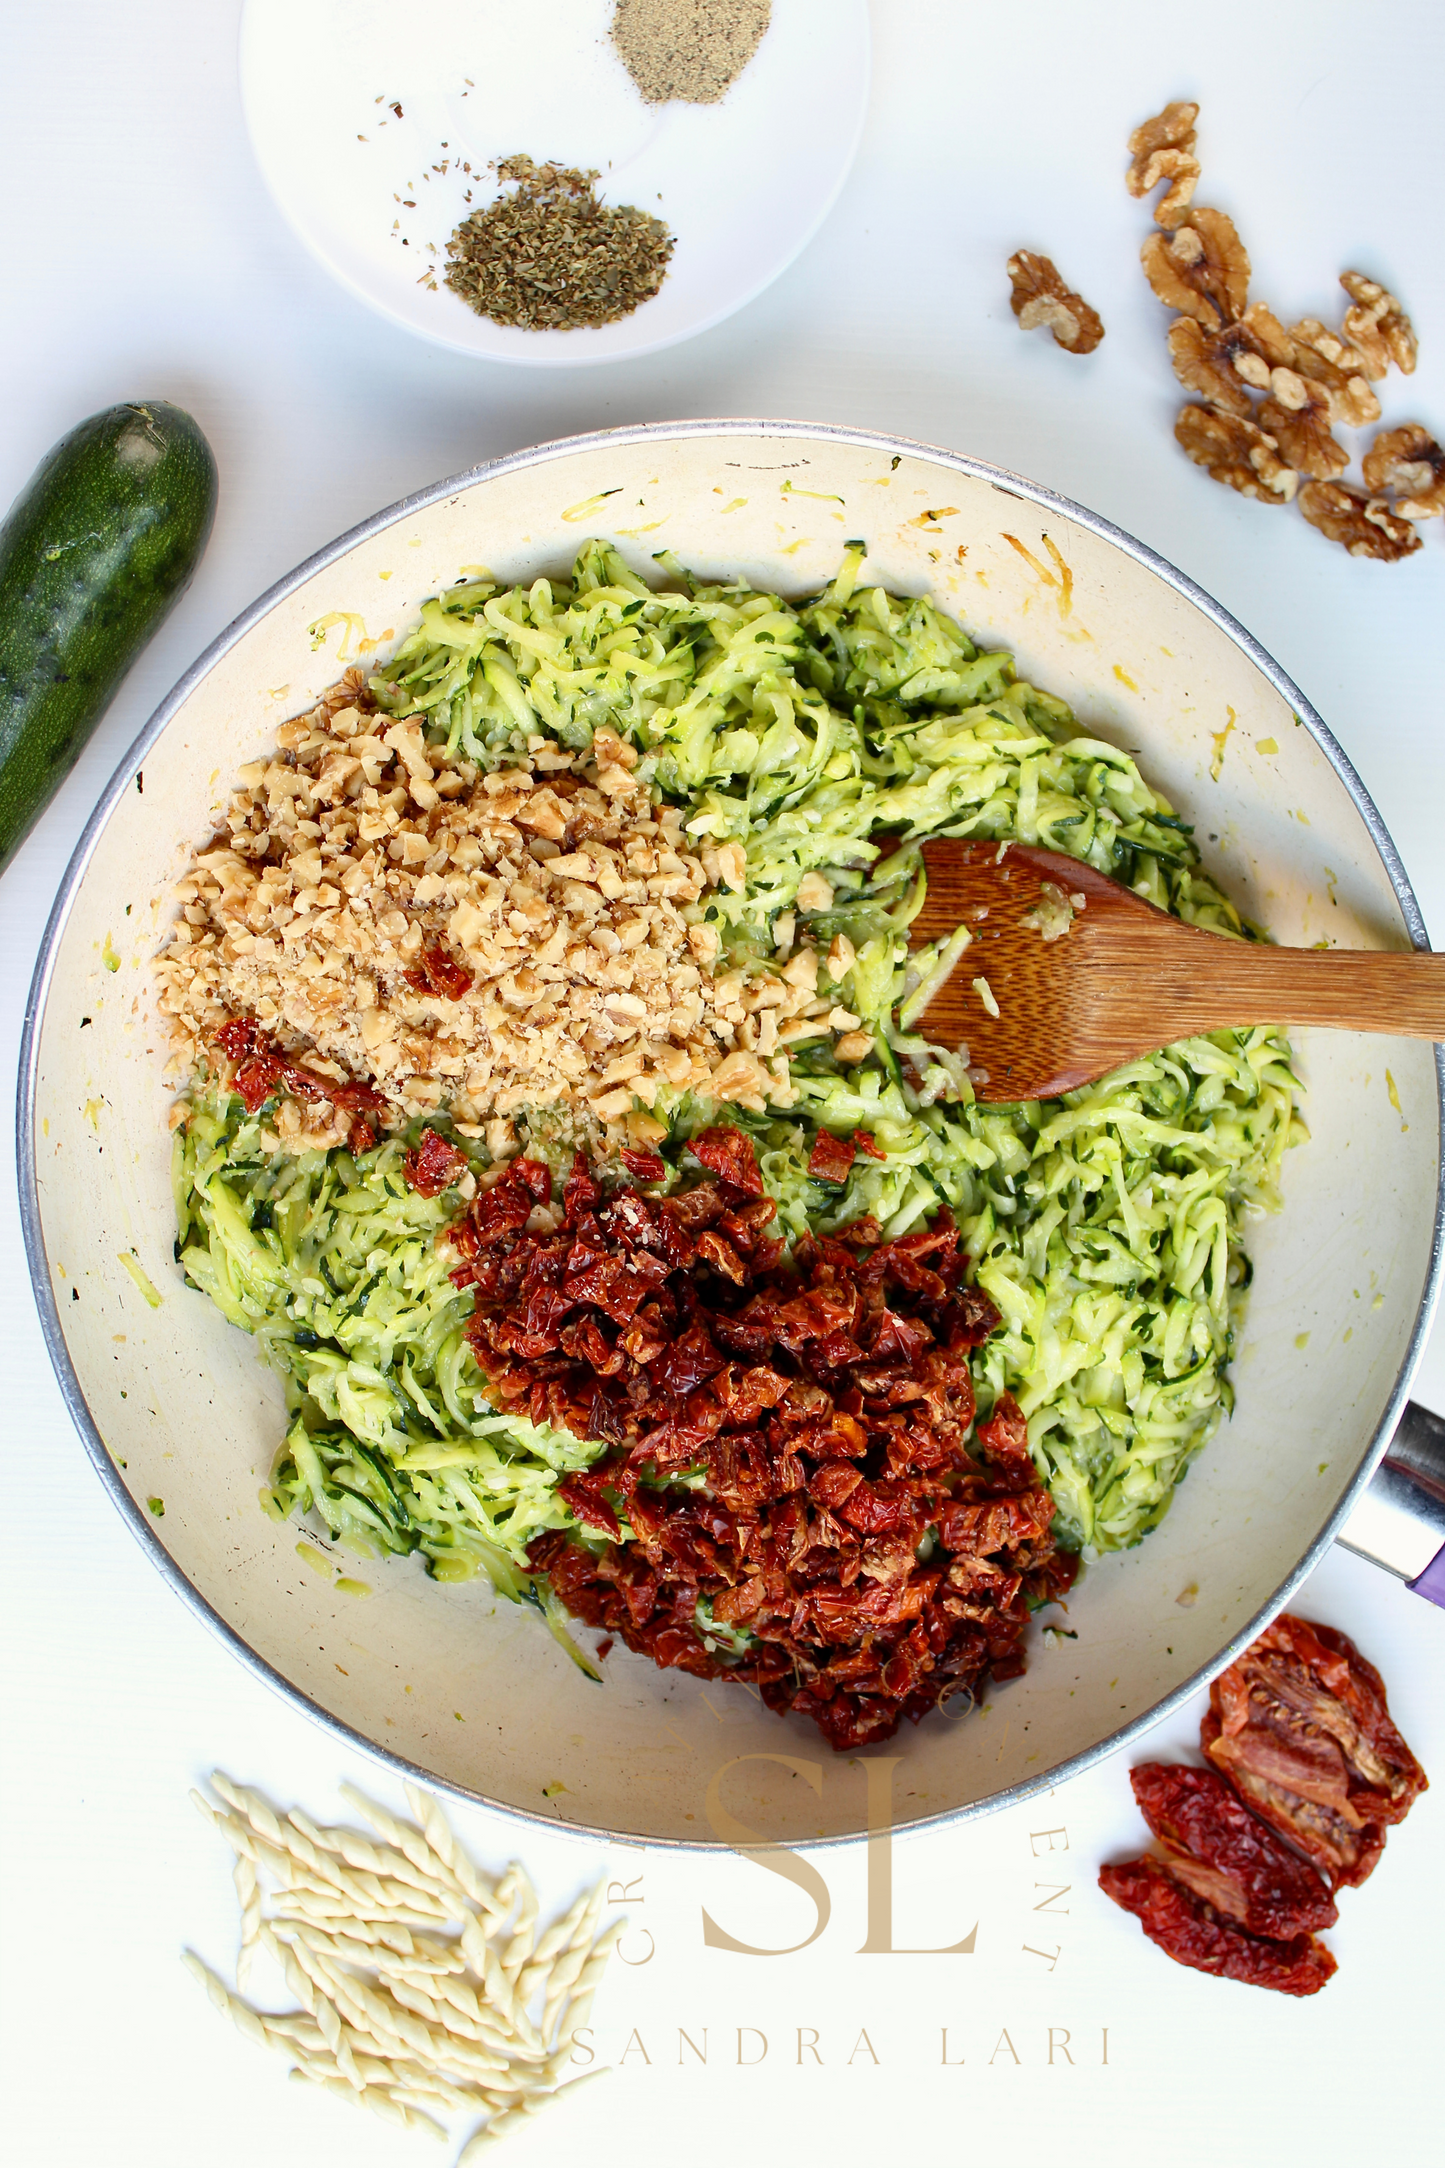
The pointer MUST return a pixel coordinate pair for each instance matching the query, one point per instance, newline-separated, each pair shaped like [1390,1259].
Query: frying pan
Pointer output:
[182,1422]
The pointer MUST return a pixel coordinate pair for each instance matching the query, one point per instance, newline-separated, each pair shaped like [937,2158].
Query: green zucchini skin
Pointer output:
[94,552]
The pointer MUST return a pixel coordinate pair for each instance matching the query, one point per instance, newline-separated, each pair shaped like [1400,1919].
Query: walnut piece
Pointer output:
[1237,452]
[1378,326]
[1041,297]
[1207,362]
[1365,526]
[1297,416]
[1339,370]
[1163,150]
[1202,270]
[1408,462]
[1272,344]
[1181,170]
[1171,130]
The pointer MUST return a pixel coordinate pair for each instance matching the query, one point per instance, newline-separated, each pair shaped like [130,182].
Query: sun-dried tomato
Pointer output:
[831,1159]
[1005,1439]
[644,1166]
[261,1069]
[256,1079]
[867,1142]
[727,1152]
[236,1038]
[1193,1933]
[437,973]
[434,1165]
[356,1099]
[1228,1856]
[1300,1725]
[970,1319]
[826,1405]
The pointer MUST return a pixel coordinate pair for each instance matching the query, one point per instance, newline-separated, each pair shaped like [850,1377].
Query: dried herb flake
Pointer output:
[547,256]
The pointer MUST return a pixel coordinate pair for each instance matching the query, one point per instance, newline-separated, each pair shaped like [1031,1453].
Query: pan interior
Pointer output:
[471,1691]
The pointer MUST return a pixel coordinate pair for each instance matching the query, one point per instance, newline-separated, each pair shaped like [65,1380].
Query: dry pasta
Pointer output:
[416,1975]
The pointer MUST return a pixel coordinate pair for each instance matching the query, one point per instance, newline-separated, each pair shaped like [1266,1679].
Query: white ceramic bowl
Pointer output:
[173,1404]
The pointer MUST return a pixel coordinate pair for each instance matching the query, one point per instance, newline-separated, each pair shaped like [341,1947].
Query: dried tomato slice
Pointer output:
[1228,1856]
[1300,1725]
[437,973]
[236,1038]
[1193,1933]
[644,1166]
[831,1159]
[1005,1437]
[434,1165]
[256,1079]
[261,1068]
[823,1417]
[730,1154]
[867,1142]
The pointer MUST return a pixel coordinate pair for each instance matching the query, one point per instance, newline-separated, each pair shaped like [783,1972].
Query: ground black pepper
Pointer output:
[547,256]
[689,49]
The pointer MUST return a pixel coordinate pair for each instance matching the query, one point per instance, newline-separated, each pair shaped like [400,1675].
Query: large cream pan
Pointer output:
[173,1404]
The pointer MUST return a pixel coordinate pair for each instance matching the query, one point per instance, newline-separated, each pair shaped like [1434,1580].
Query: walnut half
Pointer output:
[1202,270]
[1408,462]
[1365,526]
[1235,451]
[1163,150]
[1205,362]
[1297,416]
[1041,297]
[1378,326]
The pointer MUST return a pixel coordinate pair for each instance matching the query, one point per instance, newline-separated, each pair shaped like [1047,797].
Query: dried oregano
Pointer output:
[547,256]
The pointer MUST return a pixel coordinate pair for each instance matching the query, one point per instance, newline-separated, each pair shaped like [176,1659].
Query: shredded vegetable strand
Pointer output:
[1107,1226]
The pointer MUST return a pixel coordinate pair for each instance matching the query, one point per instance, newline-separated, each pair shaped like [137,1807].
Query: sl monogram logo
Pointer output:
[780,1860]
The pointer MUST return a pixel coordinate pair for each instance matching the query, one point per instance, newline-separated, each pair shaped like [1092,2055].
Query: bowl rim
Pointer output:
[370,297]
[1008,483]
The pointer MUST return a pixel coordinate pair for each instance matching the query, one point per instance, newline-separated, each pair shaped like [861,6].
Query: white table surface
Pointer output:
[142,258]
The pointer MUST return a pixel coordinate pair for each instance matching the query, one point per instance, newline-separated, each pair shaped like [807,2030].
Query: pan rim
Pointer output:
[1010,484]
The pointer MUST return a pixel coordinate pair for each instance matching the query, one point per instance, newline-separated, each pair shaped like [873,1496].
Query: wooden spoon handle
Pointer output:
[1198,982]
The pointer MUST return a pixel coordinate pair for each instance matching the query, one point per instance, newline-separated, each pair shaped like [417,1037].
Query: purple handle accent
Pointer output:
[1431,1583]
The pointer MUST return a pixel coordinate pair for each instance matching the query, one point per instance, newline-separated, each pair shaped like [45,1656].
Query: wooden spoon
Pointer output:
[1125,978]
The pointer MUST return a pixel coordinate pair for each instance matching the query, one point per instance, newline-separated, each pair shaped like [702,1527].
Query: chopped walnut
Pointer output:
[1297,416]
[1041,297]
[1202,270]
[1338,368]
[1365,526]
[1163,150]
[1378,326]
[1267,345]
[1235,451]
[1408,462]
[1207,362]
[1181,170]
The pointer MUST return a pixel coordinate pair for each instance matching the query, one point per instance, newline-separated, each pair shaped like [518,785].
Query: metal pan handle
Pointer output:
[1400,1521]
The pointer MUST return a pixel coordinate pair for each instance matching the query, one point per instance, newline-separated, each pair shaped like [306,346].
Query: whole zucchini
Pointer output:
[93,553]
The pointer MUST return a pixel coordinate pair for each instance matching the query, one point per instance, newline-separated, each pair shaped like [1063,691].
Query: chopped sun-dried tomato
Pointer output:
[437,973]
[1300,1725]
[1190,1931]
[867,1142]
[261,1069]
[826,1406]
[1228,1856]
[237,1038]
[727,1152]
[256,1079]
[1005,1439]
[434,1165]
[644,1166]
[831,1159]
